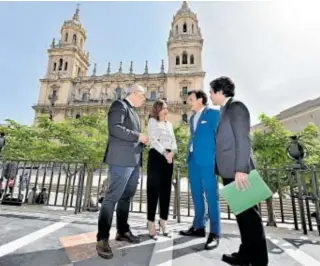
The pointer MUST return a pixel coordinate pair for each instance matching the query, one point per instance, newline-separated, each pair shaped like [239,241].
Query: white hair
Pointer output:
[136,88]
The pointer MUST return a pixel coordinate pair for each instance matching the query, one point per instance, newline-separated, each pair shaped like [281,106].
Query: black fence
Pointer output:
[74,186]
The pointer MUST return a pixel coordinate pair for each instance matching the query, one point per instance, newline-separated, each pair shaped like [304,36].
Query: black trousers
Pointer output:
[253,246]
[159,181]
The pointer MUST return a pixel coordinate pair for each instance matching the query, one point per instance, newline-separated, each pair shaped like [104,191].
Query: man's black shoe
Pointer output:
[103,249]
[201,232]
[128,236]
[234,259]
[212,242]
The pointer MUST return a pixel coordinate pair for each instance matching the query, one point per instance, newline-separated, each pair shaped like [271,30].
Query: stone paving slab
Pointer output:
[74,244]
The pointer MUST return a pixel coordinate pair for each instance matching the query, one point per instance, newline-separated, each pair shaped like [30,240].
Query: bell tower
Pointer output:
[184,48]
[67,58]
[67,62]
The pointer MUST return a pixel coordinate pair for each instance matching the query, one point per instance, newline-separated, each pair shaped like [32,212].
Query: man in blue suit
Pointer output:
[201,168]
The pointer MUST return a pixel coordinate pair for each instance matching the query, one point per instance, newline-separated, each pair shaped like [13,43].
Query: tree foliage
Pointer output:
[73,140]
[310,136]
[182,136]
[269,147]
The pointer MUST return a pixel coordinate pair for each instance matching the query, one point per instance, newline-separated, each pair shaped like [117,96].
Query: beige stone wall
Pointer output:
[297,122]
[175,84]
[101,90]
[191,48]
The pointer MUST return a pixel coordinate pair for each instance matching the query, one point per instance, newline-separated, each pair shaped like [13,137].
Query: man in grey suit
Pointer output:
[234,161]
[124,157]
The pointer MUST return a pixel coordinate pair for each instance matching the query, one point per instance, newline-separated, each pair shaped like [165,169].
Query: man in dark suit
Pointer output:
[124,157]
[234,161]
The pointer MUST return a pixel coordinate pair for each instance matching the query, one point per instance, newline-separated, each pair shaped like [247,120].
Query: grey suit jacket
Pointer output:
[123,148]
[233,143]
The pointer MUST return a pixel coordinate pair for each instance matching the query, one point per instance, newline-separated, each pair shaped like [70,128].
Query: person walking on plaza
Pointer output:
[124,157]
[234,161]
[201,164]
[163,145]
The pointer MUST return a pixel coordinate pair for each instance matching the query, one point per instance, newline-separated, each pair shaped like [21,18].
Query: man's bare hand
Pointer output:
[241,181]
[169,157]
[143,138]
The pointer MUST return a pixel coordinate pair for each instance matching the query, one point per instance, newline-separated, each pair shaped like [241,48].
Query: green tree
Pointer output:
[182,134]
[72,140]
[310,137]
[269,147]
[80,140]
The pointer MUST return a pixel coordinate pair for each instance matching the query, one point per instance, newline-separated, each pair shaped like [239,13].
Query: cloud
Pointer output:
[270,50]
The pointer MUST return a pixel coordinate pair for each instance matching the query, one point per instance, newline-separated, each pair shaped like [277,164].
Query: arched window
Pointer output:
[191,59]
[177,60]
[54,66]
[65,66]
[66,37]
[192,28]
[60,64]
[81,43]
[74,39]
[184,58]
[79,71]
[177,30]
[118,93]
[184,29]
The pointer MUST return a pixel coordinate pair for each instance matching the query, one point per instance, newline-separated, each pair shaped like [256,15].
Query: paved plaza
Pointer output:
[34,236]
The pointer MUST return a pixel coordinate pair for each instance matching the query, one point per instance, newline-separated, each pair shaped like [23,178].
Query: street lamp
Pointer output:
[296,150]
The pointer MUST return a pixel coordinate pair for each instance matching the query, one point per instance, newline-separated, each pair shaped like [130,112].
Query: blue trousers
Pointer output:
[203,181]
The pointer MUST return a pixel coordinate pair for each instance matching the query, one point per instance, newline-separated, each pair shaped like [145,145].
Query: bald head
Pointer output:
[136,95]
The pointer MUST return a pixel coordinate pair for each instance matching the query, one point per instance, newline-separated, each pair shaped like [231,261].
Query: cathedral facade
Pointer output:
[67,90]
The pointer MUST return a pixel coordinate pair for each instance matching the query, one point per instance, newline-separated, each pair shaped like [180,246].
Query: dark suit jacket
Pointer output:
[233,143]
[123,148]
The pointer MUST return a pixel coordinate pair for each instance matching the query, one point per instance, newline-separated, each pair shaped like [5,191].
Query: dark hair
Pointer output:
[224,84]
[2,134]
[156,109]
[200,94]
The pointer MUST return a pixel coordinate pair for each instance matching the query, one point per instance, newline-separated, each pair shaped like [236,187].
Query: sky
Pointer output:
[270,49]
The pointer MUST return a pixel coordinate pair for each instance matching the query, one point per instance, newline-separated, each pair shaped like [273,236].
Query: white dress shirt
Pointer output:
[161,136]
[195,123]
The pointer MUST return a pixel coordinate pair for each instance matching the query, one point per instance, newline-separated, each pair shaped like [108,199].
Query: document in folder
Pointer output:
[241,200]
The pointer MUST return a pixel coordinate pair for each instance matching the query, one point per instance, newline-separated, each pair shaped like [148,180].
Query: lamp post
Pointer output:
[297,152]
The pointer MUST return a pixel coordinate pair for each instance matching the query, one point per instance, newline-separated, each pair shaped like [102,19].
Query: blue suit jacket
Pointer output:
[203,138]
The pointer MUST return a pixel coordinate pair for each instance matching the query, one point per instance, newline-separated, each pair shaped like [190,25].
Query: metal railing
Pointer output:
[74,186]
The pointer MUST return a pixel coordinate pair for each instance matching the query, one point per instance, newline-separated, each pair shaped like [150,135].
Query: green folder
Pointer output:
[241,200]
